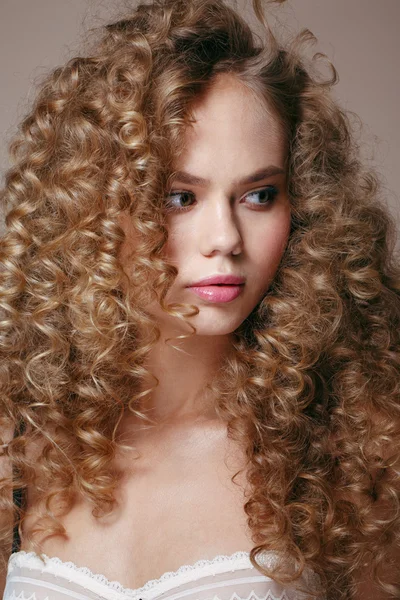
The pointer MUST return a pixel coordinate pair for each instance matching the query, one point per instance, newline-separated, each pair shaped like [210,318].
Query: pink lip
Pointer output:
[218,293]
[219,279]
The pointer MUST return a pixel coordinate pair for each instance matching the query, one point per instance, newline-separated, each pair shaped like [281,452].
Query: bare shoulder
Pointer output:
[5,464]
[5,515]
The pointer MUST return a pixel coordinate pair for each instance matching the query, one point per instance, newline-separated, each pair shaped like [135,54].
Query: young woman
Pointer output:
[199,326]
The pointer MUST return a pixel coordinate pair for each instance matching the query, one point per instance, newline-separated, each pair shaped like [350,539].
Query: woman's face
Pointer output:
[219,224]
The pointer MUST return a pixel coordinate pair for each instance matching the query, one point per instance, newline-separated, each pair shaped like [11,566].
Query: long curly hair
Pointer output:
[311,391]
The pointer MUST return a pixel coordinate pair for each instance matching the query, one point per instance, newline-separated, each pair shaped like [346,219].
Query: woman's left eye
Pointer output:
[266,195]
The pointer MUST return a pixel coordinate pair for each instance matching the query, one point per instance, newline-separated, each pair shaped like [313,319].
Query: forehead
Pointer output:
[231,121]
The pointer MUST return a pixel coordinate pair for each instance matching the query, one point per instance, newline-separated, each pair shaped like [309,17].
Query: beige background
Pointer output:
[359,36]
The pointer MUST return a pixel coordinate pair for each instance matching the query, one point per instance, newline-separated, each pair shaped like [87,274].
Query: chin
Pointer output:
[222,325]
[211,321]
[210,331]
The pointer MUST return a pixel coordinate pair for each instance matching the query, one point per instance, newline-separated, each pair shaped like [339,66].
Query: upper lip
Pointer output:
[222,279]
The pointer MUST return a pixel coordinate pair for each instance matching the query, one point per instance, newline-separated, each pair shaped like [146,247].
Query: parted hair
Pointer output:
[311,390]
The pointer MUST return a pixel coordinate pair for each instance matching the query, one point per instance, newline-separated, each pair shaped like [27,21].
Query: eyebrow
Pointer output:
[258,175]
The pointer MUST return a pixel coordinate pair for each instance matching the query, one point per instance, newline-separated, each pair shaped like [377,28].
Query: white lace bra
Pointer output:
[222,578]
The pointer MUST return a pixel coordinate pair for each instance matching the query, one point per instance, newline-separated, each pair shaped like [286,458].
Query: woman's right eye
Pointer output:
[179,201]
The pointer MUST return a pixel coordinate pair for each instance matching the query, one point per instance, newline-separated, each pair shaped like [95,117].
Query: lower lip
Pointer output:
[218,293]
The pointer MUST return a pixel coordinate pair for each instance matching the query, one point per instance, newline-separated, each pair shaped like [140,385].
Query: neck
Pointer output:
[183,369]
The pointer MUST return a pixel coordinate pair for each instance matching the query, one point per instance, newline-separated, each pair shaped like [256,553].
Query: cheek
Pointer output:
[178,245]
[268,245]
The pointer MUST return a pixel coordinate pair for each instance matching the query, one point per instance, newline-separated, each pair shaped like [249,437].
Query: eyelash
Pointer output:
[273,191]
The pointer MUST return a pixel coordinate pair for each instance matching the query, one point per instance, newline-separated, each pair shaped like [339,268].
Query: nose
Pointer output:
[220,231]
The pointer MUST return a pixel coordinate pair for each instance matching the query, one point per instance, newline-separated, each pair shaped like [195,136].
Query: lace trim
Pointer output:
[21,596]
[235,560]
[253,596]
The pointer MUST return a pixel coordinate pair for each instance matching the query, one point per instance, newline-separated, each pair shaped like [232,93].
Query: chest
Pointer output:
[176,504]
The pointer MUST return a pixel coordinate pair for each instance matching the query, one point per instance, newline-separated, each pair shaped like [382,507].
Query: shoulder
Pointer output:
[6,517]
[7,434]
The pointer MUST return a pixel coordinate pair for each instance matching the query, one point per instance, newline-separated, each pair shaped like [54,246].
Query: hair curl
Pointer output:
[312,389]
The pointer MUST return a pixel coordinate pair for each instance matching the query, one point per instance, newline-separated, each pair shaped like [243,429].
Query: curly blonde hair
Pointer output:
[312,389]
